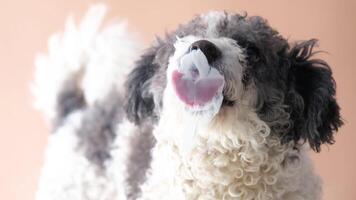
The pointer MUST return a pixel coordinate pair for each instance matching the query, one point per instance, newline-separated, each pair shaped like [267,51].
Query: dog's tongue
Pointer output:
[197,92]
[196,83]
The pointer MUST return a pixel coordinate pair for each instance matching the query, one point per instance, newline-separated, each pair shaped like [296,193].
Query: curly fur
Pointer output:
[235,158]
[128,136]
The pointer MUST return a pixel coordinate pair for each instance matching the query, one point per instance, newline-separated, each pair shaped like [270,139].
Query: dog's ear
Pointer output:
[139,98]
[315,112]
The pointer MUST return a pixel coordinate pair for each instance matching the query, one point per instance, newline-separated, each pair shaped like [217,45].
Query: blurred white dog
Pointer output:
[222,108]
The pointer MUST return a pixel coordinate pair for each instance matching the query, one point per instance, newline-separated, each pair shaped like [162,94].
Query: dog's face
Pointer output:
[220,61]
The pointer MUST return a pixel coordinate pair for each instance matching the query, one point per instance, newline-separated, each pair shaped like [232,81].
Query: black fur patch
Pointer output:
[141,143]
[140,103]
[318,115]
[69,99]
[97,131]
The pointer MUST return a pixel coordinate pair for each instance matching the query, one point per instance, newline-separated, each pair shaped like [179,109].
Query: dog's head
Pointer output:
[221,61]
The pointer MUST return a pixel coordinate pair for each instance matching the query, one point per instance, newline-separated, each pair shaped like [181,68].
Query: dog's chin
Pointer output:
[196,117]
[207,110]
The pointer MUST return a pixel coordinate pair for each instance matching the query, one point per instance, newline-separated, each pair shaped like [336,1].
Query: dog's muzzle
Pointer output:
[195,81]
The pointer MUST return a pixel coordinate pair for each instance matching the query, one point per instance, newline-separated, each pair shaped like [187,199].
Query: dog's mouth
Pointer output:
[196,83]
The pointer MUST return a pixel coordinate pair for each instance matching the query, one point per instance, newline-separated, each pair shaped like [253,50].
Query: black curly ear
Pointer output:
[140,103]
[317,114]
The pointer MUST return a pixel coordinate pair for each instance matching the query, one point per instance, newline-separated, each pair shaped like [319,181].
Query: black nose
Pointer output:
[209,49]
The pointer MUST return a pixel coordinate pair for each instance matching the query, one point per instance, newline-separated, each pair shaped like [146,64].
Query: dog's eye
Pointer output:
[252,53]
[227,102]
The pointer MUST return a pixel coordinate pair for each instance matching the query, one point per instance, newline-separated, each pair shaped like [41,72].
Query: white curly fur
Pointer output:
[234,158]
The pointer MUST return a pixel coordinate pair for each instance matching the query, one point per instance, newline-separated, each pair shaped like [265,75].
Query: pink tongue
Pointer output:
[195,92]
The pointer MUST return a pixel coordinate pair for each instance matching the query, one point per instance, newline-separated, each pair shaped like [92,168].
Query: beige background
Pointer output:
[25,26]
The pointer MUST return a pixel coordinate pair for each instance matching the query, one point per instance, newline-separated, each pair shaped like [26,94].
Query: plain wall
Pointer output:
[25,26]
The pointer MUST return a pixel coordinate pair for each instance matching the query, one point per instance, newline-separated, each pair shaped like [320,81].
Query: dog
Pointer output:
[222,108]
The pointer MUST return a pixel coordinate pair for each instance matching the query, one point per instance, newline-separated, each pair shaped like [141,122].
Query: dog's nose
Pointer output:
[209,49]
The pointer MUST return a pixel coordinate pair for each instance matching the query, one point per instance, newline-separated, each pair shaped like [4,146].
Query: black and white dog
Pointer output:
[222,108]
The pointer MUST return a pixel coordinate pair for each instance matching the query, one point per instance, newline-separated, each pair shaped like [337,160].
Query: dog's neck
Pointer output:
[232,156]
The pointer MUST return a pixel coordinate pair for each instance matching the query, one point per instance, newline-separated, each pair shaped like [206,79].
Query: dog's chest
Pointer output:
[241,162]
